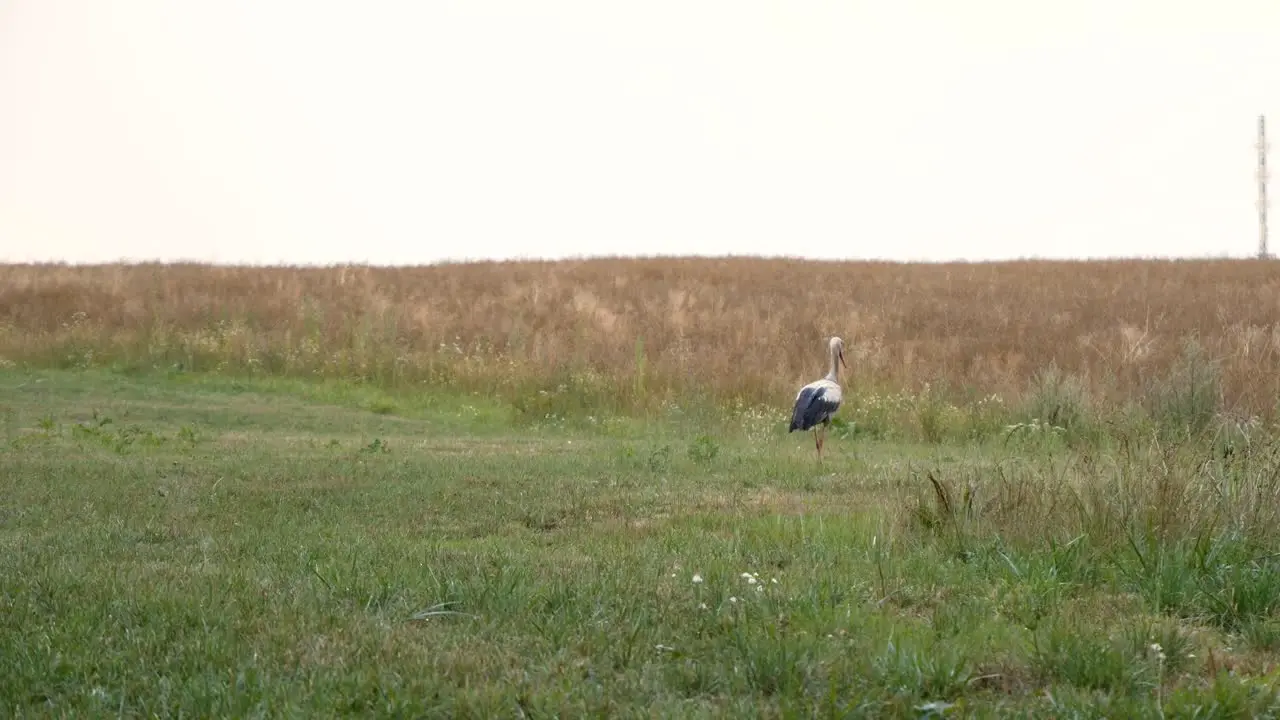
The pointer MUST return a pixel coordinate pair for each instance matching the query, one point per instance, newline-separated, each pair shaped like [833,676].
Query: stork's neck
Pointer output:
[834,373]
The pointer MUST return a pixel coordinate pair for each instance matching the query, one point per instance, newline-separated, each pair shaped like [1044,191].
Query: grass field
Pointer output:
[634,336]
[566,489]
[183,544]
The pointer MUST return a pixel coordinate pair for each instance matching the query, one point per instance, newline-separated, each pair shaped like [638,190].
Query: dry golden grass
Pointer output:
[736,329]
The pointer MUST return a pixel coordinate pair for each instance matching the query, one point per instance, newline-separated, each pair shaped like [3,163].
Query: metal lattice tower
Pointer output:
[1262,187]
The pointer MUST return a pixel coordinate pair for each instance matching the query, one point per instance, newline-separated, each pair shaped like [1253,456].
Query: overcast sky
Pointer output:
[409,132]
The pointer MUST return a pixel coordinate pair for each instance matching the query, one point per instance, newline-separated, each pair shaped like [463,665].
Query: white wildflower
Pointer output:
[697,579]
[733,599]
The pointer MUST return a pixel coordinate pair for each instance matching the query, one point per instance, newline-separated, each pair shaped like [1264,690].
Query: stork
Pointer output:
[818,401]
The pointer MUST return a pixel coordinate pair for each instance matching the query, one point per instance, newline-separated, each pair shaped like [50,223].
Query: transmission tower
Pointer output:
[1262,187]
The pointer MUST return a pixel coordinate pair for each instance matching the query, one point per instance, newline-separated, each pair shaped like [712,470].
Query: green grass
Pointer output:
[201,546]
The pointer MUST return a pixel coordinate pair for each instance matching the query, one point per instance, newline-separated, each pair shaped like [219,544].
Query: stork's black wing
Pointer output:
[812,407]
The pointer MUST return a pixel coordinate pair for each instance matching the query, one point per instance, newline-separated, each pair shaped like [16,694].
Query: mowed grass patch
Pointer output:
[202,547]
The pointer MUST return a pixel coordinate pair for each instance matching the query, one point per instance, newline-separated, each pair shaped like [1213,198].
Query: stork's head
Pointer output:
[837,350]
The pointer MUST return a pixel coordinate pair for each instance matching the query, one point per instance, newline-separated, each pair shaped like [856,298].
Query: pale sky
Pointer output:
[267,131]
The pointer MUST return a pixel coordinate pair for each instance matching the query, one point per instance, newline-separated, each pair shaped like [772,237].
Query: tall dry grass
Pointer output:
[636,333]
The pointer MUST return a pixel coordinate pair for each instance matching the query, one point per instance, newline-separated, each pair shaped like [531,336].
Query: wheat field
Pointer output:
[633,334]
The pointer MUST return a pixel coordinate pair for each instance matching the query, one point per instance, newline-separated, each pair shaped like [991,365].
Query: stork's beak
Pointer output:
[842,362]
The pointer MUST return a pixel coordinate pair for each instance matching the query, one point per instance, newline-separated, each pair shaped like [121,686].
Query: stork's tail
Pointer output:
[797,421]
[799,410]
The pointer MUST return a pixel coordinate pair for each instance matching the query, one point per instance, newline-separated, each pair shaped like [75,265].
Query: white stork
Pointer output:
[818,401]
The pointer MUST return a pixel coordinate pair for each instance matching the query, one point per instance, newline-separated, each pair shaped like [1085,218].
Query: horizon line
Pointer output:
[591,258]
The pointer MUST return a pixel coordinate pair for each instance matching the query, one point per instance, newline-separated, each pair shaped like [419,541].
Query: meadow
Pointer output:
[633,336]
[567,489]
